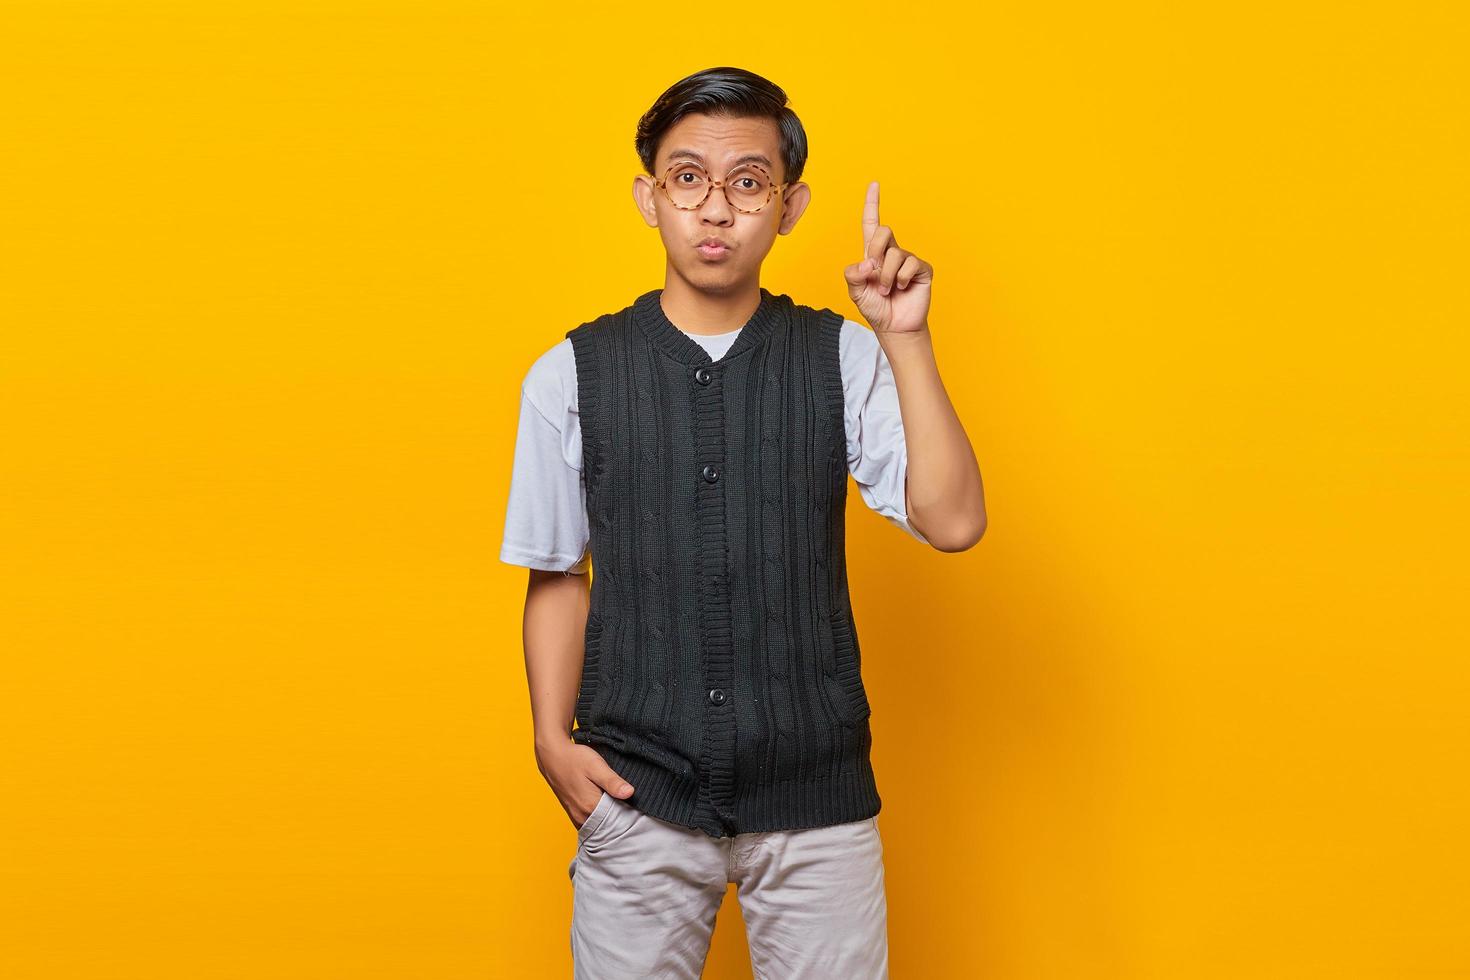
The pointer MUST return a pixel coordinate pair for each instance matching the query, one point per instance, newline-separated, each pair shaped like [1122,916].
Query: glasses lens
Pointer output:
[748,187]
[686,185]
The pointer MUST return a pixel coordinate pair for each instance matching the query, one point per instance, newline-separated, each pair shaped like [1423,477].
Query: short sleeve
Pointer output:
[546,512]
[877,454]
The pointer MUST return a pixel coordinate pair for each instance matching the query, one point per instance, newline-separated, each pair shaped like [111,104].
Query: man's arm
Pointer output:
[553,630]
[545,526]
[943,496]
[943,492]
[554,633]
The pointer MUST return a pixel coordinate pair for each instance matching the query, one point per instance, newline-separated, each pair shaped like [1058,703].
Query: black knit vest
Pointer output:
[721,675]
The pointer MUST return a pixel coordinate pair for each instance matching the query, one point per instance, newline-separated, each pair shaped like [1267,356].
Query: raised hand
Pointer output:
[890,285]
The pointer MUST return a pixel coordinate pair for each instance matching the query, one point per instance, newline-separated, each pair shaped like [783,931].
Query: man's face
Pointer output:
[718,144]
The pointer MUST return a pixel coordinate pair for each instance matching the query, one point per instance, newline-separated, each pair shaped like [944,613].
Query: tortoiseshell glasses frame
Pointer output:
[662,184]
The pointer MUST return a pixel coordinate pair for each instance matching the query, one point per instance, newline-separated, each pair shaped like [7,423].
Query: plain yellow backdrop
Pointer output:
[1197,706]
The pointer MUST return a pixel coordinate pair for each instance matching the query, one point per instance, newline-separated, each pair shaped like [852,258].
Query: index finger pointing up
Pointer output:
[870,214]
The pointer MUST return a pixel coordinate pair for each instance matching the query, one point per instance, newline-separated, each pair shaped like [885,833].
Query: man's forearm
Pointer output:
[944,495]
[553,632]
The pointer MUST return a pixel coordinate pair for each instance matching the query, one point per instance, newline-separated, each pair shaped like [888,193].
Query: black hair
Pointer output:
[723,91]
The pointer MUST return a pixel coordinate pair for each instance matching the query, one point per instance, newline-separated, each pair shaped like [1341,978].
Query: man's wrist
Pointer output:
[905,338]
[555,738]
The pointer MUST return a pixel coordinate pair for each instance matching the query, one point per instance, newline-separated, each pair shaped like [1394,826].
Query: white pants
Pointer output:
[646,893]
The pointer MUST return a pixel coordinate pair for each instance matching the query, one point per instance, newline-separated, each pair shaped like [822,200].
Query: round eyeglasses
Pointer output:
[748,187]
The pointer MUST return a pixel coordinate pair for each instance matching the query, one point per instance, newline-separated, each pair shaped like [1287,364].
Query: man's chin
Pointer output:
[708,280]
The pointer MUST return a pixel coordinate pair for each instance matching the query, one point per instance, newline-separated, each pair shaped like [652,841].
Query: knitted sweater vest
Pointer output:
[721,673]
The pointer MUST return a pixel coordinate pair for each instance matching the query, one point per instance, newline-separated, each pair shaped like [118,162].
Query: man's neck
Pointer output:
[707,314]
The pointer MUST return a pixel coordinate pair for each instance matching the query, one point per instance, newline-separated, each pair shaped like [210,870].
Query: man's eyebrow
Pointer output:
[760,158]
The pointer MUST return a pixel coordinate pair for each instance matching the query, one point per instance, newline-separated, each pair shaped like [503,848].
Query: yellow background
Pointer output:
[1196,707]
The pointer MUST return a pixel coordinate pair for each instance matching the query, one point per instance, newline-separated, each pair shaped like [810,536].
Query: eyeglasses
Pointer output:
[747,188]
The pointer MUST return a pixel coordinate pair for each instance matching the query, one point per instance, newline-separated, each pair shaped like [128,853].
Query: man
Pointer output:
[695,446]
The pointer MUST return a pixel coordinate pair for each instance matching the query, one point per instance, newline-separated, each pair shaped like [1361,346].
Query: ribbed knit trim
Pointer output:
[797,804]
[648,313]
[848,672]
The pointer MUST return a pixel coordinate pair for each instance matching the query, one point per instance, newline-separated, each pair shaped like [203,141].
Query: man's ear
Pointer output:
[643,192]
[798,196]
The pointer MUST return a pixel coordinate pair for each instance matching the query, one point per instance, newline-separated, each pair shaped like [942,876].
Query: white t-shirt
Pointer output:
[546,515]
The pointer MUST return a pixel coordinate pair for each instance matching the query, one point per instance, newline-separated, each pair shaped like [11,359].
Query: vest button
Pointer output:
[717,696]
[703,376]
[710,473]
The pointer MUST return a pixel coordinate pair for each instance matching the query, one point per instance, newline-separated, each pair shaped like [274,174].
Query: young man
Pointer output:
[695,445]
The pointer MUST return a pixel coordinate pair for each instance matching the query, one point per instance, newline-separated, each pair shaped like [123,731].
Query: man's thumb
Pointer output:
[617,785]
[857,273]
